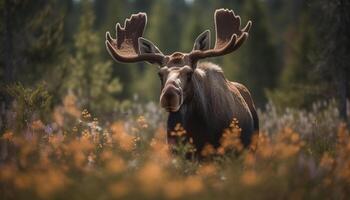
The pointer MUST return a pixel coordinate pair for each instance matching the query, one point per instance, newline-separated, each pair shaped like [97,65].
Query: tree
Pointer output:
[256,63]
[334,54]
[89,78]
[197,21]
[299,84]
[27,56]
[32,43]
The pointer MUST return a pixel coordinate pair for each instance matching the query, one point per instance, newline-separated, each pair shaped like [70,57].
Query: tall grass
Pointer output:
[299,155]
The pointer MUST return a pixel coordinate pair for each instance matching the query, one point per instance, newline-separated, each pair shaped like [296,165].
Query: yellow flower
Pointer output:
[118,189]
[142,122]
[193,184]
[207,170]
[208,150]
[115,165]
[151,177]
[125,141]
[173,189]
[7,136]
[249,178]
[327,161]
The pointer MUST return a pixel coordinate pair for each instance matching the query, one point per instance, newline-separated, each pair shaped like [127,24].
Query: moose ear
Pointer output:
[202,42]
[147,47]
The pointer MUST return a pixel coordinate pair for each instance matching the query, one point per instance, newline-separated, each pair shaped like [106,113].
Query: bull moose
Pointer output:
[196,94]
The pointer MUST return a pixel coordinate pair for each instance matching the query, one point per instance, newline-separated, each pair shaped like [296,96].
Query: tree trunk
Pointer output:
[8,62]
[342,94]
[8,44]
[342,78]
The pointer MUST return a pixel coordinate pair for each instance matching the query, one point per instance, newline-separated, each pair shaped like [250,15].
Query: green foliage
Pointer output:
[197,22]
[89,77]
[256,63]
[29,104]
[299,84]
[63,45]
[334,50]
[33,37]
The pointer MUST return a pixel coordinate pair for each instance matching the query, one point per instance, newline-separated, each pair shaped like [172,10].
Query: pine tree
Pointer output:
[32,44]
[256,63]
[89,77]
[299,84]
[27,57]
[199,19]
[334,30]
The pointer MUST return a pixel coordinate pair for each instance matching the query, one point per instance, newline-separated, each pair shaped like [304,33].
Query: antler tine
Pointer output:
[125,48]
[229,36]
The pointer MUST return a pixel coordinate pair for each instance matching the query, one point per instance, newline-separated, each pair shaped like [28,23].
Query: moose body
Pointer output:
[211,106]
[196,95]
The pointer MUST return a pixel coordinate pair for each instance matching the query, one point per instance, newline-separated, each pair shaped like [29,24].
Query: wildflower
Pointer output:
[46,184]
[115,165]
[160,150]
[22,181]
[142,122]
[58,116]
[125,141]
[249,159]
[7,172]
[208,150]
[249,178]
[327,161]
[207,170]
[173,189]
[231,139]
[85,114]
[69,105]
[7,136]
[118,189]
[37,125]
[193,184]
[179,131]
[150,177]
[106,155]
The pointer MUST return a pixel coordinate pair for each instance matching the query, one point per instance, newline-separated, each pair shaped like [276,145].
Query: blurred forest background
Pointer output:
[74,124]
[298,52]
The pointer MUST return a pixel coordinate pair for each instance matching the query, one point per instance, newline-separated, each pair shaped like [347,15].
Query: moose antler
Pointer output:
[229,36]
[126,46]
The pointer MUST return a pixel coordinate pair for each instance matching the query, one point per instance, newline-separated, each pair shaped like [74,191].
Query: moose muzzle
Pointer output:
[171,97]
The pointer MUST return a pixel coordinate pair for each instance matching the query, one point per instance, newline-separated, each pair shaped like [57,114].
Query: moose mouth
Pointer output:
[172,109]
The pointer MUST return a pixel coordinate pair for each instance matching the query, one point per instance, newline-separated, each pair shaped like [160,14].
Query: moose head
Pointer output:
[175,70]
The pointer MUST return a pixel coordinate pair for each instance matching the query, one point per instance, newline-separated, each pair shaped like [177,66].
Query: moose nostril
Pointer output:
[170,94]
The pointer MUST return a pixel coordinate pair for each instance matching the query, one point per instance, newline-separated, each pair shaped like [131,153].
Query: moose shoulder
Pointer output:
[196,95]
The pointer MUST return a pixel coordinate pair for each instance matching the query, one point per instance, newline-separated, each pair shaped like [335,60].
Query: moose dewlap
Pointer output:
[196,95]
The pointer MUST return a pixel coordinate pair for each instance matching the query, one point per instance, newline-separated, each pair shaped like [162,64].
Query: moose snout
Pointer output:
[171,98]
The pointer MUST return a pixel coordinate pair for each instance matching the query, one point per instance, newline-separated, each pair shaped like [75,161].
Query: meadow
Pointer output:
[298,155]
[74,124]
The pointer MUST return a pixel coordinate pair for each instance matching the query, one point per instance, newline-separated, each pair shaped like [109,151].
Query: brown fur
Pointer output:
[212,106]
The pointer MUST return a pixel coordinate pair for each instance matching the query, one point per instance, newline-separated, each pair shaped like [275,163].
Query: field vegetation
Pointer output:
[74,124]
[298,155]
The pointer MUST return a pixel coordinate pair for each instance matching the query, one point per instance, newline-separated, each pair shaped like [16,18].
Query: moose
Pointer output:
[196,94]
